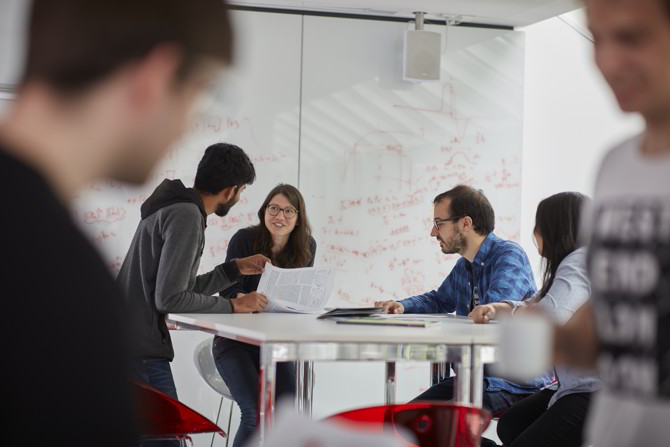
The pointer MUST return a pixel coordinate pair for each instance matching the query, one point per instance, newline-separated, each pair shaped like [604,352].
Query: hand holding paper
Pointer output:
[251,302]
[253,265]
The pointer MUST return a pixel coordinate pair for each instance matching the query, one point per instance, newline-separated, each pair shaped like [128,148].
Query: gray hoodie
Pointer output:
[159,273]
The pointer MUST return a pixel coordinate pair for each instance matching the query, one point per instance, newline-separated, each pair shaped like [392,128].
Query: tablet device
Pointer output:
[351,312]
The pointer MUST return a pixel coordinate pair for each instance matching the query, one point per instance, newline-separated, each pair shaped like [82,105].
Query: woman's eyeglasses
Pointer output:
[289,213]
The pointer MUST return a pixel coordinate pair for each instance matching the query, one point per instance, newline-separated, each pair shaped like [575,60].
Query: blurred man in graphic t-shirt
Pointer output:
[625,330]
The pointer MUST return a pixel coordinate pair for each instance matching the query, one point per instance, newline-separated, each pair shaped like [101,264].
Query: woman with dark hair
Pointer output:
[283,235]
[554,416]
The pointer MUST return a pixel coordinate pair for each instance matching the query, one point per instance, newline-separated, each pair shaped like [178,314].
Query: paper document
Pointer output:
[304,290]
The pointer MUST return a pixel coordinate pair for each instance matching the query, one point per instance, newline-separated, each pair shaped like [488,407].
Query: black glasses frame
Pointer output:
[438,221]
[282,210]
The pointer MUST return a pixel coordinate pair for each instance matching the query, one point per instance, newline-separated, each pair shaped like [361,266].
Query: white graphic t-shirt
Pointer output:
[629,269]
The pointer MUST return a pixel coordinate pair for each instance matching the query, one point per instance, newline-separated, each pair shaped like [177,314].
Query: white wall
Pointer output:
[570,117]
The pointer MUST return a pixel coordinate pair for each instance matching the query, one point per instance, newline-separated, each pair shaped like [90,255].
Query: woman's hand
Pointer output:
[483,313]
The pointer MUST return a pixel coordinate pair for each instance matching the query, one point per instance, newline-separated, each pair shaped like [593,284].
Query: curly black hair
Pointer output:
[222,166]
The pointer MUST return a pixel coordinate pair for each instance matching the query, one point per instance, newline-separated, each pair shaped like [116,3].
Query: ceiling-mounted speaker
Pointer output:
[423,51]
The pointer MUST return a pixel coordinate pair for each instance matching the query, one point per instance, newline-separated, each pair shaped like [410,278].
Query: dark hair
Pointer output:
[557,222]
[468,201]
[72,44]
[222,166]
[297,252]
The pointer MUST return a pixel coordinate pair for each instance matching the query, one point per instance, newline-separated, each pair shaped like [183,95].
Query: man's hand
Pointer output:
[483,313]
[253,265]
[390,307]
[251,302]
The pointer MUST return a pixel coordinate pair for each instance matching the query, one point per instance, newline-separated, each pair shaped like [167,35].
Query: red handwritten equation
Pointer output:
[381,242]
[213,123]
[108,215]
[103,185]
[233,221]
[103,236]
[219,249]
[115,264]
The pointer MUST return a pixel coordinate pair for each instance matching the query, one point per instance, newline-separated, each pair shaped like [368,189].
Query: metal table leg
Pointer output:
[477,376]
[267,392]
[304,387]
[463,390]
[438,372]
[389,385]
[299,386]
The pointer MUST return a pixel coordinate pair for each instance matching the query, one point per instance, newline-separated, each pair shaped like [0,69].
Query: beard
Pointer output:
[223,208]
[456,244]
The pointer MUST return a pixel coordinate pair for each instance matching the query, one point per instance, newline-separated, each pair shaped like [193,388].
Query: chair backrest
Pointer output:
[432,423]
[160,415]
[204,363]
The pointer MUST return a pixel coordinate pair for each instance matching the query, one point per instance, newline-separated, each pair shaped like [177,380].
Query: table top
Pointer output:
[304,328]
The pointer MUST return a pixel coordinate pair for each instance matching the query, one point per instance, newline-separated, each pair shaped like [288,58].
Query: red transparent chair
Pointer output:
[432,424]
[164,418]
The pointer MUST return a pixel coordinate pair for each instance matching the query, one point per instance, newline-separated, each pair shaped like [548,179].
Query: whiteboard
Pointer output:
[320,103]
[376,150]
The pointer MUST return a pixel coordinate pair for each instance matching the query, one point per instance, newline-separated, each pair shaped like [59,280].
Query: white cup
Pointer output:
[525,348]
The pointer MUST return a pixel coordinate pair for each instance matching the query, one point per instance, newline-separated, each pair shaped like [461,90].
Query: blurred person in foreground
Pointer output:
[108,86]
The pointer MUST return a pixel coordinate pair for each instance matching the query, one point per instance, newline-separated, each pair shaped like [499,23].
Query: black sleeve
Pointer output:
[240,246]
[78,328]
[312,248]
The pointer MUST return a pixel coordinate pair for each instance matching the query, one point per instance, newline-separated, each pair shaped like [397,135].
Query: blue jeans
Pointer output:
[239,365]
[494,401]
[158,374]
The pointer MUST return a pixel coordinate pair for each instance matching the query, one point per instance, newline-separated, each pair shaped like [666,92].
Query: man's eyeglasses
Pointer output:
[438,221]
[289,213]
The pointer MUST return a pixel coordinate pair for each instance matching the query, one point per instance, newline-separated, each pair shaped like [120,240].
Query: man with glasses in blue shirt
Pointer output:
[490,270]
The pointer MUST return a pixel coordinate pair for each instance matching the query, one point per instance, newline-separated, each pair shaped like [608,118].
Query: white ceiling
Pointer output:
[495,12]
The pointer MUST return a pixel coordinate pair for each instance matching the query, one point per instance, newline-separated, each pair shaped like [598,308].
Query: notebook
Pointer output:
[376,321]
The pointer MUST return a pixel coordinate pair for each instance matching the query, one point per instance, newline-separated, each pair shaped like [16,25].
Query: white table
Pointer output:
[304,339]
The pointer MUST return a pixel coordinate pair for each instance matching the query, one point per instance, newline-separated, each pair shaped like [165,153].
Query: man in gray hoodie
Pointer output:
[159,273]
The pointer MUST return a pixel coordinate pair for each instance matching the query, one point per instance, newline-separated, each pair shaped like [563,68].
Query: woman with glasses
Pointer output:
[284,236]
[554,416]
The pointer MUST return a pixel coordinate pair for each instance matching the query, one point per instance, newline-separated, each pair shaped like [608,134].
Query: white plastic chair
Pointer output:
[204,363]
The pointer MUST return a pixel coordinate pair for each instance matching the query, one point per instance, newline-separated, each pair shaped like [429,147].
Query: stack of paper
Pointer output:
[304,290]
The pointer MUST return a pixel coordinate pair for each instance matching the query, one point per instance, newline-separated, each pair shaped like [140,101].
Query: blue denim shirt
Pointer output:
[503,272]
